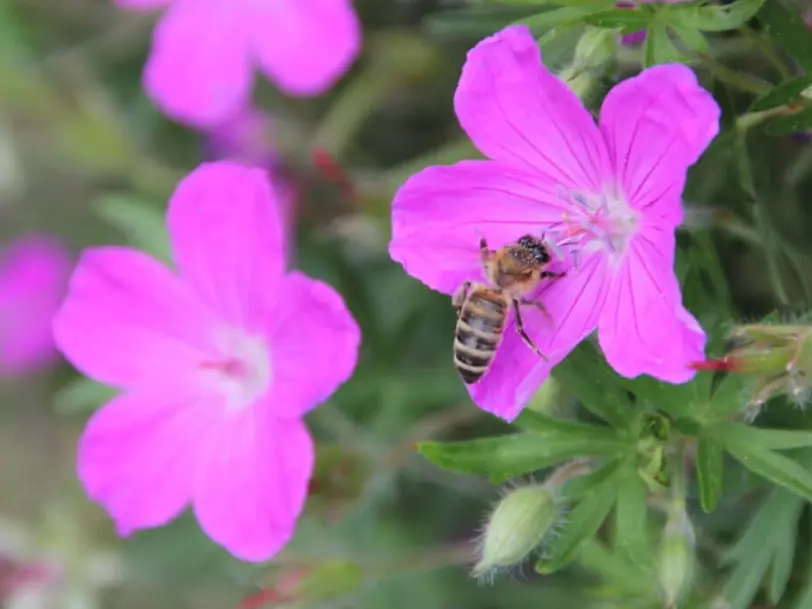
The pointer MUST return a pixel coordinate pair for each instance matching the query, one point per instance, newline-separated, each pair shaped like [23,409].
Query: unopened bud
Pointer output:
[676,558]
[596,47]
[778,355]
[518,525]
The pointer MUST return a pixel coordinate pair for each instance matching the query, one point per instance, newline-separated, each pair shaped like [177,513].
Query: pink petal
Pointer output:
[574,303]
[656,125]
[440,214]
[252,488]
[516,111]
[142,5]
[644,329]
[33,276]
[139,455]
[305,46]
[314,345]
[227,240]
[128,322]
[199,71]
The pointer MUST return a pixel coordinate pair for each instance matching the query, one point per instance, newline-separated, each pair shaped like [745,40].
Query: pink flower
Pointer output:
[218,362]
[612,192]
[246,137]
[33,275]
[203,52]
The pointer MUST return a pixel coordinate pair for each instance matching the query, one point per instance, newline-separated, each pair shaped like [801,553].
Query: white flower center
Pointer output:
[242,370]
[597,221]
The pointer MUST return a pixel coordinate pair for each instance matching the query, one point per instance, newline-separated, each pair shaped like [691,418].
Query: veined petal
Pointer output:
[127,321]
[516,111]
[656,126]
[573,303]
[251,489]
[440,214]
[305,46]
[199,70]
[314,341]
[644,329]
[227,240]
[139,454]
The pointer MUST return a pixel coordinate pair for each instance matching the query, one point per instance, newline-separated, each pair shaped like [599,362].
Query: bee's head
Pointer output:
[537,248]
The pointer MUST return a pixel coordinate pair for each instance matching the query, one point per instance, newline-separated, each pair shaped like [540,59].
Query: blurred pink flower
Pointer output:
[610,194]
[203,53]
[33,275]
[246,137]
[218,363]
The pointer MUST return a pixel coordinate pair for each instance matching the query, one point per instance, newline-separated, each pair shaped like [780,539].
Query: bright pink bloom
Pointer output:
[200,69]
[33,275]
[217,363]
[612,192]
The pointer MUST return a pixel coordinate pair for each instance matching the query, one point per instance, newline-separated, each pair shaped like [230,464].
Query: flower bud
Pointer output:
[518,525]
[778,355]
[676,558]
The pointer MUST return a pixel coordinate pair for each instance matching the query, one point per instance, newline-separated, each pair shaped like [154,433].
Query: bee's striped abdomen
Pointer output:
[478,333]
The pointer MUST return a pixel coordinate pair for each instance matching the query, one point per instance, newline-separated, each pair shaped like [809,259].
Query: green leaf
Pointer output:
[584,522]
[717,17]
[505,457]
[586,376]
[760,437]
[794,122]
[787,29]
[537,422]
[709,466]
[626,19]
[691,37]
[631,519]
[659,48]
[783,93]
[141,223]
[777,468]
[82,395]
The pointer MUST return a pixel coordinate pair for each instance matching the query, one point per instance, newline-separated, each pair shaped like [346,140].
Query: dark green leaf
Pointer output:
[761,438]
[777,468]
[795,122]
[584,522]
[505,457]
[788,30]
[716,17]
[141,222]
[783,93]
[628,20]
[537,422]
[709,467]
[691,37]
[659,47]
[631,519]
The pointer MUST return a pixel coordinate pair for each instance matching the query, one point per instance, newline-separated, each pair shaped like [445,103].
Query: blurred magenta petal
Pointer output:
[305,46]
[609,200]
[235,276]
[574,305]
[246,137]
[644,329]
[439,215]
[313,359]
[656,125]
[33,276]
[139,455]
[218,361]
[199,68]
[516,111]
[203,53]
[129,322]
[251,490]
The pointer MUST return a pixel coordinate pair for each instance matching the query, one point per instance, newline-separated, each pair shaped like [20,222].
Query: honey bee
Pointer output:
[513,272]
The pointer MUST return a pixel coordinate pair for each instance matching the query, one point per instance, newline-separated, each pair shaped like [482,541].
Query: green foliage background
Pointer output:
[94,162]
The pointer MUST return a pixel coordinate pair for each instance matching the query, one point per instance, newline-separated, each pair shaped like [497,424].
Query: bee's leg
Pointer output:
[459,296]
[483,248]
[552,275]
[522,333]
[536,303]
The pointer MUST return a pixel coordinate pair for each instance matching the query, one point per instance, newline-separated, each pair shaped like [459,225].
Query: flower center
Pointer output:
[241,371]
[596,221]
